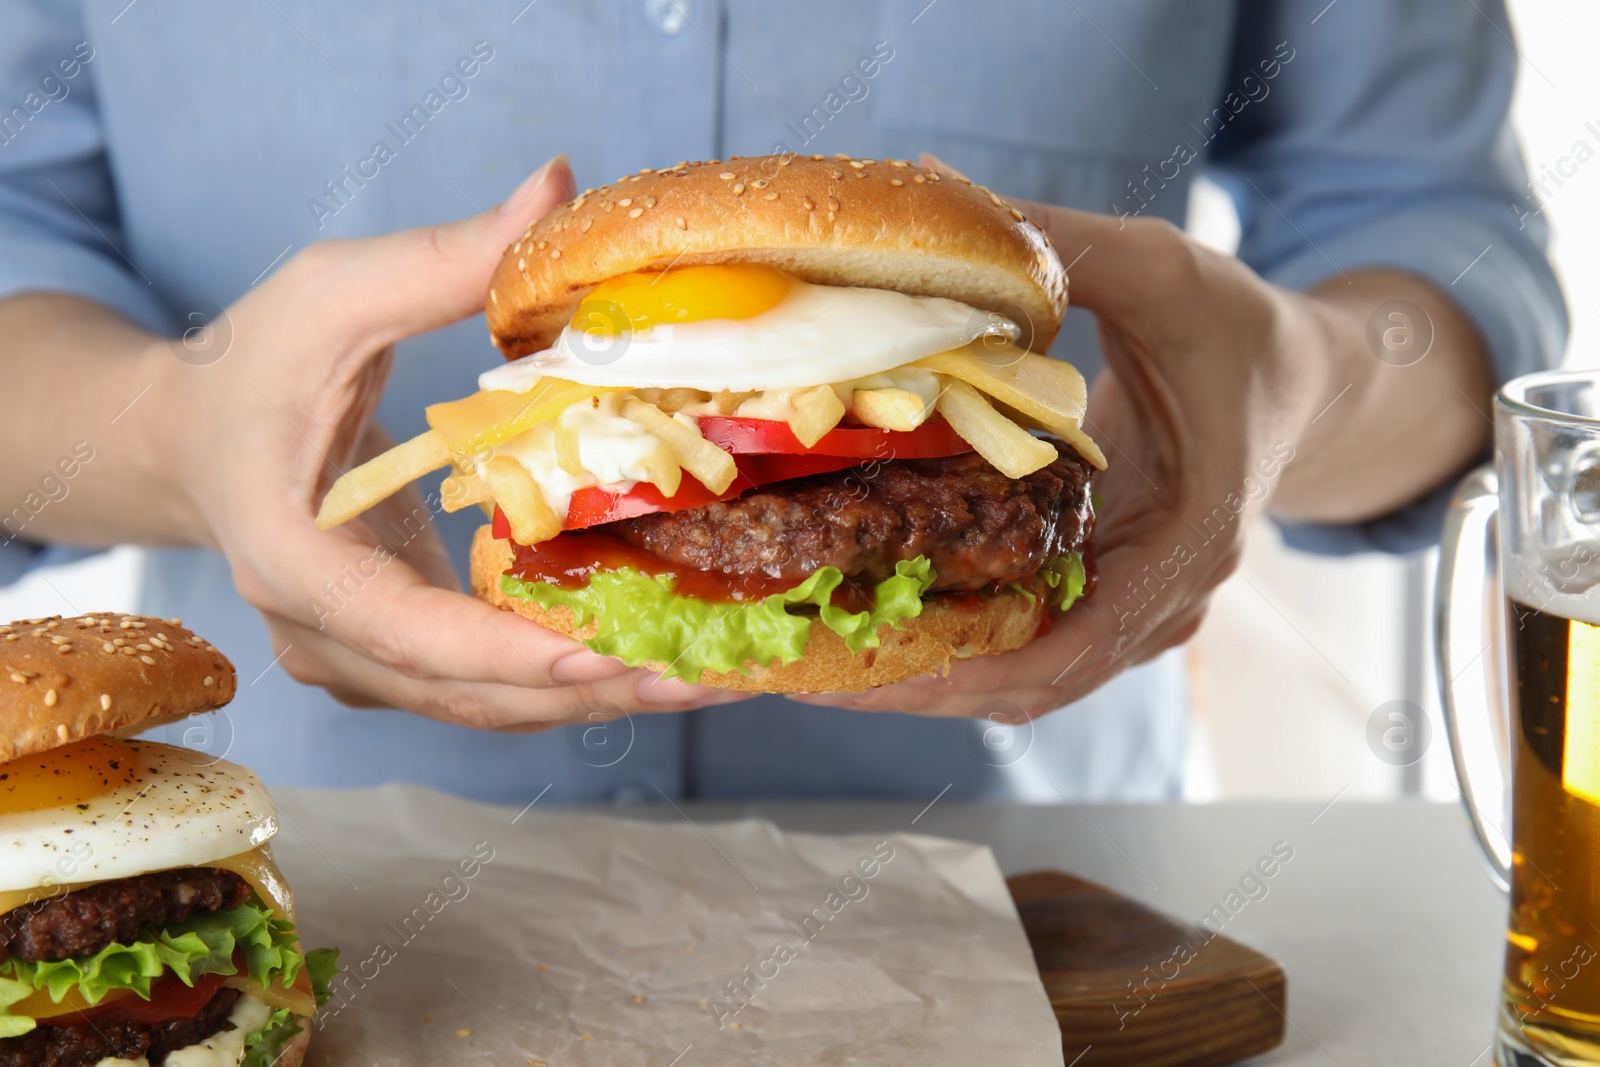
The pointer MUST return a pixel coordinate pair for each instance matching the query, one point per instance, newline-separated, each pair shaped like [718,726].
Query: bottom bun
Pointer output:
[293,1051]
[949,628]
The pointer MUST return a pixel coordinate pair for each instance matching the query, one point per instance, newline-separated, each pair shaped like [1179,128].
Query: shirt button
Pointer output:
[668,16]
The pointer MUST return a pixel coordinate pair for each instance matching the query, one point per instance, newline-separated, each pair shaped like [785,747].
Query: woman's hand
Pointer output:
[1221,391]
[370,610]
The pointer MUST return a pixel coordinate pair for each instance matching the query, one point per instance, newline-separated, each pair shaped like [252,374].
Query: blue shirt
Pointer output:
[162,156]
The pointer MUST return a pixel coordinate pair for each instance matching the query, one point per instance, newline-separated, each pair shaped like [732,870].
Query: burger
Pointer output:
[142,919]
[777,424]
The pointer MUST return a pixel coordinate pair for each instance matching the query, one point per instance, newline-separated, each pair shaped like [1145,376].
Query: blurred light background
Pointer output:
[1298,652]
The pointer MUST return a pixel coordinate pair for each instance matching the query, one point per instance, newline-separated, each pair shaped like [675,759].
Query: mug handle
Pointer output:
[1465,605]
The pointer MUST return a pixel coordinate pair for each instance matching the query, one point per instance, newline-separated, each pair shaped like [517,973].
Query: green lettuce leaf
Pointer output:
[1067,577]
[641,620]
[203,944]
[263,1047]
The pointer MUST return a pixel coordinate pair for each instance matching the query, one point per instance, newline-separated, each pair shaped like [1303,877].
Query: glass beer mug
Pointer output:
[1517,619]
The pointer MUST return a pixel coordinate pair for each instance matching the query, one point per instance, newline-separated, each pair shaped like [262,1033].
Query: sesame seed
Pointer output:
[625,201]
[738,188]
[636,212]
[919,179]
[174,622]
[586,224]
[522,264]
[726,175]
[125,625]
[683,223]
[555,253]
[142,647]
[541,245]
[62,733]
[1017,214]
[833,205]
[996,201]
[856,163]
[148,661]
[811,205]
[50,698]
[896,181]
[126,651]
[494,298]
[208,681]
[517,247]
[840,155]
[105,702]
[769,196]
[19,679]
[835,175]
[605,205]
[816,157]
[963,179]
[933,177]
[760,183]
[582,200]
[62,650]
[647,170]
[898,163]
[109,647]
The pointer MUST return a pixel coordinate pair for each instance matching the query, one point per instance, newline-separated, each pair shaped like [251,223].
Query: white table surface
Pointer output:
[1384,919]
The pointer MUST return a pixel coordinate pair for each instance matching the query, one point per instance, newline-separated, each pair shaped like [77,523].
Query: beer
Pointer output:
[1552,972]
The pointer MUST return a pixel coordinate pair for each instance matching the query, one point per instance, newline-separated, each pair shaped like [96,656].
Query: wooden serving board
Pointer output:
[1131,986]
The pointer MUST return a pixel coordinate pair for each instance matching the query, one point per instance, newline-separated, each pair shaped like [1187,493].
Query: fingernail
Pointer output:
[518,200]
[659,690]
[586,666]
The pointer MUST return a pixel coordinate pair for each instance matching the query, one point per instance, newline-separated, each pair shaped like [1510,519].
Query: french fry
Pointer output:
[816,411]
[662,469]
[462,490]
[566,444]
[381,477]
[727,401]
[673,399]
[1048,391]
[532,519]
[889,408]
[711,465]
[1011,449]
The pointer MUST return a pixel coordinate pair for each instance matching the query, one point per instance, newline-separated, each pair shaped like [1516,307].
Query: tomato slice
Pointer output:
[744,436]
[169,999]
[594,506]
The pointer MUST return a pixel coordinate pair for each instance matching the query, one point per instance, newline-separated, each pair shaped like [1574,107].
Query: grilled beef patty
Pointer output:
[85,921]
[977,526]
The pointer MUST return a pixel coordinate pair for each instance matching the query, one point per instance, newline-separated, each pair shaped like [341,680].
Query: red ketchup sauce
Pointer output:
[570,559]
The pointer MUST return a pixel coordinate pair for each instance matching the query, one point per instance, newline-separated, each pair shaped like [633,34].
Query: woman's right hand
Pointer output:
[370,610]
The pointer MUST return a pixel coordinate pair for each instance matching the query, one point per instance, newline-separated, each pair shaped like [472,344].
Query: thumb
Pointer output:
[1101,252]
[422,279]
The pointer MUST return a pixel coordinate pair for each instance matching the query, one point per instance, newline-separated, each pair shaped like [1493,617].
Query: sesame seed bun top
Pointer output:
[830,220]
[63,680]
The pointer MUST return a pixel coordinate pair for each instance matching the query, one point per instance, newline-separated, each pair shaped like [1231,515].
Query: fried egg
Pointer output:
[106,808]
[744,326]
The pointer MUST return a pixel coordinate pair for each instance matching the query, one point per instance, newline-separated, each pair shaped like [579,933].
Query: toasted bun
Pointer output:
[293,1051]
[882,224]
[62,680]
[949,628]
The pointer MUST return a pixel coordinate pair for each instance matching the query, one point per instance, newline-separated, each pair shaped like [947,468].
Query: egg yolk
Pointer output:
[71,774]
[636,302]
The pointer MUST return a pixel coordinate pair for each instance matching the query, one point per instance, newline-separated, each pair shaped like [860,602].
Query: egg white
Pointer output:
[185,810]
[817,334]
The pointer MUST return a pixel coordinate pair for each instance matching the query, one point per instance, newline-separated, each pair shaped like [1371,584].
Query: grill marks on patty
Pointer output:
[87,1044]
[977,526]
[85,921]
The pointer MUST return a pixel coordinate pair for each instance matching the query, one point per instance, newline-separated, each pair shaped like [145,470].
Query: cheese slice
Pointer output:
[256,867]
[297,1000]
[38,1005]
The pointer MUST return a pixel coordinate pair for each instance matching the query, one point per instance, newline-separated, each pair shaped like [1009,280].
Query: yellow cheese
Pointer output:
[255,867]
[299,1001]
[38,1005]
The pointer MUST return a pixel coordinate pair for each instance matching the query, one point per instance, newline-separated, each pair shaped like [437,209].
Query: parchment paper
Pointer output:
[475,934]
